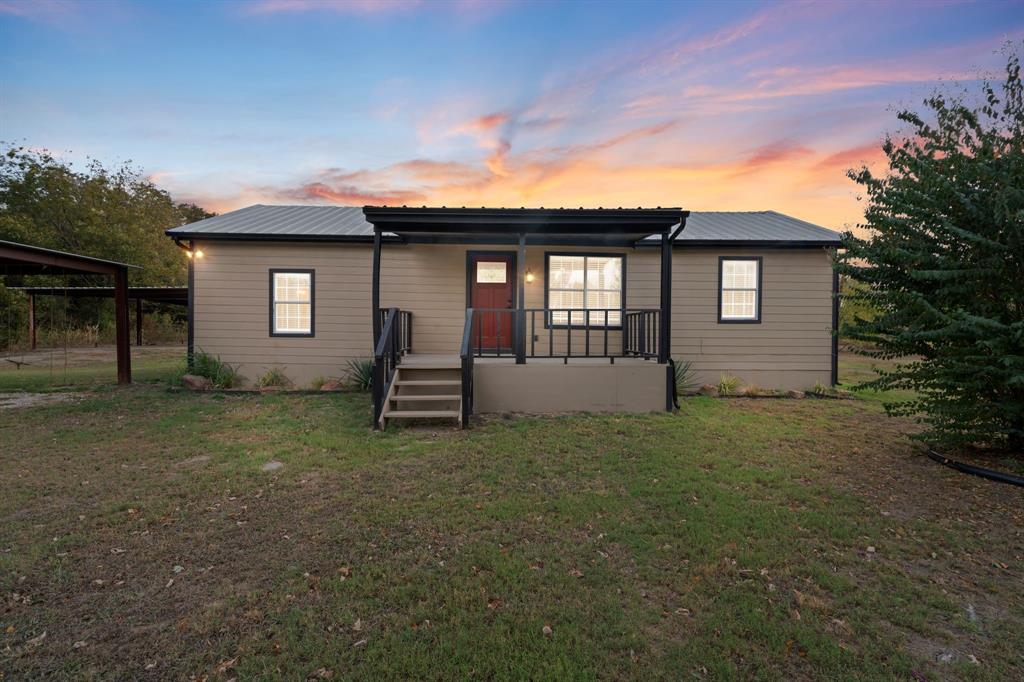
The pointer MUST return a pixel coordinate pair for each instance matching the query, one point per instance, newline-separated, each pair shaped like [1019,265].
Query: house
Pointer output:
[470,310]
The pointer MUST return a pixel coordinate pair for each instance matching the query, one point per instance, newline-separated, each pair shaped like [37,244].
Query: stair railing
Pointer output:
[466,355]
[395,341]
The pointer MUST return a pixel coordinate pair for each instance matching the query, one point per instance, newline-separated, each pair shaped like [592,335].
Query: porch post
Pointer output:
[521,303]
[376,288]
[664,335]
[191,340]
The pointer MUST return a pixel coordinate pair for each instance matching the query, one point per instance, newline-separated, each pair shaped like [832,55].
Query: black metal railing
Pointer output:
[466,356]
[394,342]
[640,333]
[563,333]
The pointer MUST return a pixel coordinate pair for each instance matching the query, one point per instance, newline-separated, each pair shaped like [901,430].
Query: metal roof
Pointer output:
[348,223]
[25,259]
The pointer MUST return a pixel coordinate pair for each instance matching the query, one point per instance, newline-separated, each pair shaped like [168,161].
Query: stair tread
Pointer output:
[426,396]
[428,382]
[411,414]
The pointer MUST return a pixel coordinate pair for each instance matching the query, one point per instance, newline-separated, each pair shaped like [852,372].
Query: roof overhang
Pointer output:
[540,224]
[24,259]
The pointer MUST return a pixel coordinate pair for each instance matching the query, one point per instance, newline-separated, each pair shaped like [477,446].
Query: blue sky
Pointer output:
[729,106]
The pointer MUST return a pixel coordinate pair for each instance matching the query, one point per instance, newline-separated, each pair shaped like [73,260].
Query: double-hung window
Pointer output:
[291,303]
[590,284]
[739,289]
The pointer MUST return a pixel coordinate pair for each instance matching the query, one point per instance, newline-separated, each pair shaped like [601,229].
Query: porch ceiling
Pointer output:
[540,225]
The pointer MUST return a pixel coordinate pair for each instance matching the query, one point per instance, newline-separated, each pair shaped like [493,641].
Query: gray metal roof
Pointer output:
[347,223]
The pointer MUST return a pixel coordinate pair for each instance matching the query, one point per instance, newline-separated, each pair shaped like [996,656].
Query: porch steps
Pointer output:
[425,388]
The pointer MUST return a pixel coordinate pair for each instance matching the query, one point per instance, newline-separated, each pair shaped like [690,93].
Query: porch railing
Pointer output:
[394,342]
[563,333]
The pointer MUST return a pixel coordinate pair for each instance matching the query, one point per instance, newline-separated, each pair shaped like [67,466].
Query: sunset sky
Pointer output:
[708,106]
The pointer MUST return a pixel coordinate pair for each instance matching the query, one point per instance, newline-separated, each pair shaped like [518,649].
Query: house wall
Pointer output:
[791,348]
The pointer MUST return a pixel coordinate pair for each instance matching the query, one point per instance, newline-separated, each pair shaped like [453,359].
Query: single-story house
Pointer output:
[467,310]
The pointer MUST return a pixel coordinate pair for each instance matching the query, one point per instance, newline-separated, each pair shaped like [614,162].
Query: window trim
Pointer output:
[585,254]
[312,301]
[760,279]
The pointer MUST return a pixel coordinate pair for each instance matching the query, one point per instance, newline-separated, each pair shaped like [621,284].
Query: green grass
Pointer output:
[50,374]
[729,540]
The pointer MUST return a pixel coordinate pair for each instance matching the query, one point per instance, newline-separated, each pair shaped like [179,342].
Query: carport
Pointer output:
[22,259]
[168,295]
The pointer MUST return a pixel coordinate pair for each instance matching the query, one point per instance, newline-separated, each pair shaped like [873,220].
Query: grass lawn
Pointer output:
[141,538]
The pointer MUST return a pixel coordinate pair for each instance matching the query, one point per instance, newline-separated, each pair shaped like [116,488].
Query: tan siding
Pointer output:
[791,348]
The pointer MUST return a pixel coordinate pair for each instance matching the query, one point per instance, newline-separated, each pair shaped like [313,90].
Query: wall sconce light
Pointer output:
[529,276]
[198,253]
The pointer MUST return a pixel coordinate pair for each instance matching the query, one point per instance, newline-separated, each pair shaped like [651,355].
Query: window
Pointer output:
[584,282]
[739,296]
[491,272]
[291,303]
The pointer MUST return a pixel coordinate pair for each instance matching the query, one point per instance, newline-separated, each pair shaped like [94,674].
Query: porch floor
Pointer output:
[434,360]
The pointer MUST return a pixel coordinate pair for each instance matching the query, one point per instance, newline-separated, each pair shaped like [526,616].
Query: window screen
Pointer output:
[740,295]
[291,307]
[585,283]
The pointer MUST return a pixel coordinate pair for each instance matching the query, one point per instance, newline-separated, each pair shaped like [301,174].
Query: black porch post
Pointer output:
[521,303]
[124,357]
[376,288]
[32,321]
[665,331]
[190,359]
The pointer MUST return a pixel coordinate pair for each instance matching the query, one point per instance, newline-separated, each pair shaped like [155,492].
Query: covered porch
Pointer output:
[508,333]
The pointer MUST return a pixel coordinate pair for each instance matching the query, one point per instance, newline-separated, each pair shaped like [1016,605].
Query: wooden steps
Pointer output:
[425,388]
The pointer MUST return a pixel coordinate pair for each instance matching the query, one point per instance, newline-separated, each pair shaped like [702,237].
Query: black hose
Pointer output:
[990,474]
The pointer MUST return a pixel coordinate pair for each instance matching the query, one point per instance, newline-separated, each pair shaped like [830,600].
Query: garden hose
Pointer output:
[990,474]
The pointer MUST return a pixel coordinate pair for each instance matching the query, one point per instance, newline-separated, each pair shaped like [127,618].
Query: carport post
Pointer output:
[138,322]
[124,357]
[32,321]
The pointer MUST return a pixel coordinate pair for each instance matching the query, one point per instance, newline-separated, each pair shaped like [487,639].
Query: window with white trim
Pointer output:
[291,306]
[591,283]
[740,296]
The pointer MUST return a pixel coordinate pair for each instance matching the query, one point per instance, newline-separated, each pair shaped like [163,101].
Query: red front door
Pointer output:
[492,286]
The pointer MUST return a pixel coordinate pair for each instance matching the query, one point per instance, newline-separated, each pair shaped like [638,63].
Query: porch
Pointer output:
[584,347]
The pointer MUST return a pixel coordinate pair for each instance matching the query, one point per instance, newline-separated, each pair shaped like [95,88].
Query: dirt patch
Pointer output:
[11,401]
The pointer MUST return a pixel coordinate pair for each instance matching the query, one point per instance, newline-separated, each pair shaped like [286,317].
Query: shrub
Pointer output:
[274,378]
[727,384]
[686,377]
[222,374]
[359,372]
[317,383]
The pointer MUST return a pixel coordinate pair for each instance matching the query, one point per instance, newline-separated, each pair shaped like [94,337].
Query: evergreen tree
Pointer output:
[942,265]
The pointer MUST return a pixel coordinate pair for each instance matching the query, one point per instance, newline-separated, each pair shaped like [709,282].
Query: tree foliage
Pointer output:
[942,265]
[113,213]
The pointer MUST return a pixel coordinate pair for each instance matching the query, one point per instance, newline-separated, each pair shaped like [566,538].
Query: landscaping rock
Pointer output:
[796,394]
[194,382]
[272,465]
[708,389]
[332,385]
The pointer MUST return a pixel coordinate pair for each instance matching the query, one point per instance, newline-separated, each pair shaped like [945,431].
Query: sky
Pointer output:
[702,105]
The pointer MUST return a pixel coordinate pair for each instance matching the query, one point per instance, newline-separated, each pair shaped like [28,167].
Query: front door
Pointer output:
[492,290]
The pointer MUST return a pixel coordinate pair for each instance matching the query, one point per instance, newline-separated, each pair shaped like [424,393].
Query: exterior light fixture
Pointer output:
[198,253]
[529,276]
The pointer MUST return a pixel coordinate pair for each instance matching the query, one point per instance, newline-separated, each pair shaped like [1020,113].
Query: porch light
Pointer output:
[529,276]
[198,253]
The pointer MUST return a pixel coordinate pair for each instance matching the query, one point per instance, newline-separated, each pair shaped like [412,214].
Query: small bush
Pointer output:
[222,374]
[274,378]
[727,384]
[754,389]
[686,377]
[317,383]
[359,372]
